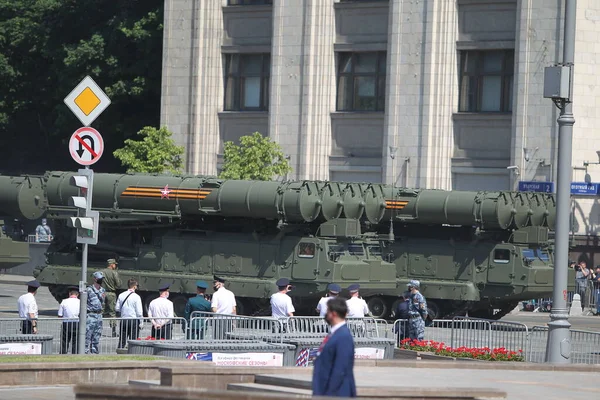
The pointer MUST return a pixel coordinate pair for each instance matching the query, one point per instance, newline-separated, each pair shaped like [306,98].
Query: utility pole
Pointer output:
[559,81]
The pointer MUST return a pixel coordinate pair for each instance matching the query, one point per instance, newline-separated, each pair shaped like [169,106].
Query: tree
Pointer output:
[255,158]
[155,153]
[47,47]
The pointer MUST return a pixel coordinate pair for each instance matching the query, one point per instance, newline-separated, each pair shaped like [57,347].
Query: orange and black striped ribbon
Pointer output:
[395,204]
[165,193]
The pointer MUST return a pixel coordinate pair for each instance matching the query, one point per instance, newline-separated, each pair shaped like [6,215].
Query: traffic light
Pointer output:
[86,221]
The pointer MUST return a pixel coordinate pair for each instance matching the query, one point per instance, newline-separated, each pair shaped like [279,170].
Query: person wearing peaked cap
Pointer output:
[96,298]
[417,311]
[357,307]
[281,302]
[333,291]
[217,279]
[197,304]
[223,300]
[69,312]
[28,309]
[161,314]
[112,283]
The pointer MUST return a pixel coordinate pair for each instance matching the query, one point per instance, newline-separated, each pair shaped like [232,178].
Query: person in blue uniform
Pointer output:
[333,373]
[417,311]
[401,313]
[95,305]
[198,303]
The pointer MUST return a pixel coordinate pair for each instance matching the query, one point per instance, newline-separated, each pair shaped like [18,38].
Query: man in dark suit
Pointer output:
[333,368]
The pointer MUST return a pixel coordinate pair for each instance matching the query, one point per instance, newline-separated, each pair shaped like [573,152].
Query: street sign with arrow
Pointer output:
[86,146]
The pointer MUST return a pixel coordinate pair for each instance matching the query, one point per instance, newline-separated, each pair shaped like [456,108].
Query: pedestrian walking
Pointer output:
[129,305]
[161,313]
[417,311]
[69,312]
[333,290]
[96,298]
[112,283]
[357,307]
[222,302]
[333,373]
[28,309]
[200,304]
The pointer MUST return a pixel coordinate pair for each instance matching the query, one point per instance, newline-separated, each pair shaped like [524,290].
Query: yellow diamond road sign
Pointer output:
[87,101]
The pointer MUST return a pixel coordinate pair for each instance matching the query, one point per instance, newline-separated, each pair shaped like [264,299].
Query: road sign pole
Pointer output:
[83,283]
[559,343]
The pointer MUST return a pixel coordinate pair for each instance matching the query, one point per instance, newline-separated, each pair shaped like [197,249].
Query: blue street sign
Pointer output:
[544,187]
[585,189]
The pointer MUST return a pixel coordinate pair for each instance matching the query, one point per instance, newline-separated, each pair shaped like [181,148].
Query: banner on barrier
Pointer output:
[20,348]
[369,353]
[240,359]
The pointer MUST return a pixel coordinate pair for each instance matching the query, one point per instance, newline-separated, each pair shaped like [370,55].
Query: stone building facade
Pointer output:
[456,86]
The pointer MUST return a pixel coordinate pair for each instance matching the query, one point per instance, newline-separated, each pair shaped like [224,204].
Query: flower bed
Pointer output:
[440,349]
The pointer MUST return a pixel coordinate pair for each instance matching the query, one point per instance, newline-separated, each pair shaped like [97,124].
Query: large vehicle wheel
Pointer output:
[179,303]
[378,307]
[433,310]
[394,308]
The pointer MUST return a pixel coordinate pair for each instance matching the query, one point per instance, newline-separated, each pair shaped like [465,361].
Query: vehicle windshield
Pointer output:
[335,251]
[535,254]
[375,250]
[356,249]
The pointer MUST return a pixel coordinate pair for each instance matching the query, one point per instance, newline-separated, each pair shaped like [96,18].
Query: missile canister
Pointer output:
[22,196]
[332,195]
[490,210]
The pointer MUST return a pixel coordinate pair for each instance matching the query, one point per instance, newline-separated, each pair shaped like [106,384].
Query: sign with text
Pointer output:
[20,348]
[240,359]
[584,188]
[543,187]
[368,353]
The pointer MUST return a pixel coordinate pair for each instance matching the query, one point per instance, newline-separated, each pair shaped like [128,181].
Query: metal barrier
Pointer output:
[36,238]
[317,327]
[207,326]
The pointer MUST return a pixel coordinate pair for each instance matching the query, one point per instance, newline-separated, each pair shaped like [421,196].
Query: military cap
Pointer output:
[217,279]
[334,288]
[354,287]
[111,261]
[414,283]
[281,282]
[164,286]
[73,288]
[98,275]
[201,285]
[33,284]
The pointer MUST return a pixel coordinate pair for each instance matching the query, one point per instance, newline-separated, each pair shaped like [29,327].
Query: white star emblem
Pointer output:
[164,193]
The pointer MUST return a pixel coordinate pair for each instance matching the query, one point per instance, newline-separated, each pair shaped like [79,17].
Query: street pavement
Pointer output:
[37,393]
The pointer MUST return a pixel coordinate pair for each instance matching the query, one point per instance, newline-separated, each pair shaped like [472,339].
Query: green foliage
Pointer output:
[156,152]
[255,158]
[47,47]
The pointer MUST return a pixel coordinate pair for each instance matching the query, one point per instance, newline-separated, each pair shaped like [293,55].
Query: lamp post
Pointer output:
[393,157]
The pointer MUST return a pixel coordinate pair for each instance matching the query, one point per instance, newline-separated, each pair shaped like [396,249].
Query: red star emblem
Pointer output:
[164,193]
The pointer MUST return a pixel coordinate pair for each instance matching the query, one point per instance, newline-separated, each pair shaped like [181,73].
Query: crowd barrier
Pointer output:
[590,296]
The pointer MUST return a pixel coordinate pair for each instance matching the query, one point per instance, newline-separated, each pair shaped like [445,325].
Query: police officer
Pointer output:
[357,307]
[333,291]
[69,312]
[401,315]
[112,282]
[281,302]
[198,303]
[417,311]
[161,313]
[28,309]
[96,297]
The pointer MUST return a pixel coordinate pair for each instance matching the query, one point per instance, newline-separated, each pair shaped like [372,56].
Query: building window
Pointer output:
[248,2]
[486,81]
[361,81]
[247,82]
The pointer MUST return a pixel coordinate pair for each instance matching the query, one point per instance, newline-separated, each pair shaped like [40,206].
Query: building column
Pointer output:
[303,84]
[192,81]
[422,92]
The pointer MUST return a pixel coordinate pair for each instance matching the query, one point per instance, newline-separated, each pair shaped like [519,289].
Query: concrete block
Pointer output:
[576,309]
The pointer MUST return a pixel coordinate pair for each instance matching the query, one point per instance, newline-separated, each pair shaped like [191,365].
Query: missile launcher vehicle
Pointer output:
[472,251]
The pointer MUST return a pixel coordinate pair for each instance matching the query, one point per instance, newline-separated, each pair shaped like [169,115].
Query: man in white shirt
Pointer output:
[334,290]
[28,309]
[161,313]
[223,302]
[69,312]
[281,302]
[357,307]
[129,305]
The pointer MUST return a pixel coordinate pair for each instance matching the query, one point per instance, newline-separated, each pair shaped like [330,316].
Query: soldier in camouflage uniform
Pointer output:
[112,282]
[417,311]
[95,303]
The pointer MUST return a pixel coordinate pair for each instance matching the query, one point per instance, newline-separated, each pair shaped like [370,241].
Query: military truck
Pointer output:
[473,251]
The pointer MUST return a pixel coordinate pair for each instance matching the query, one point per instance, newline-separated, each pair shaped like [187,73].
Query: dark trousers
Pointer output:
[26,328]
[164,332]
[130,329]
[69,335]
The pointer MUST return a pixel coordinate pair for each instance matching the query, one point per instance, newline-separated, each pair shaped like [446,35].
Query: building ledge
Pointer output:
[345,5]
[477,116]
[243,114]
[236,9]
